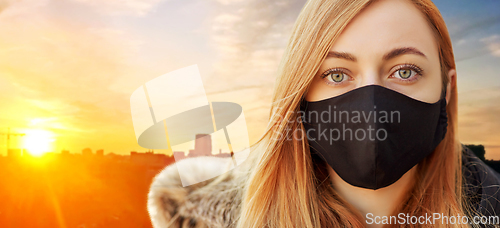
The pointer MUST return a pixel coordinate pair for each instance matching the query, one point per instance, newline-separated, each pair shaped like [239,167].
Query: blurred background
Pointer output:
[68,152]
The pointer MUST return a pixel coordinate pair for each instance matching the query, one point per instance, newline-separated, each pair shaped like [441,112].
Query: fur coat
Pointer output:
[212,203]
[216,202]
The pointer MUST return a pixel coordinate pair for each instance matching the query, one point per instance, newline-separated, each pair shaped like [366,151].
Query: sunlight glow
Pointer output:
[38,141]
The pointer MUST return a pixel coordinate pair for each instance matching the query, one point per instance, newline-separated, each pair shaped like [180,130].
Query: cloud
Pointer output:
[478,121]
[461,42]
[228,2]
[108,7]
[493,44]
[123,7]
[57,75]
[4,4]
[250,38]
[80,71]
[9,8]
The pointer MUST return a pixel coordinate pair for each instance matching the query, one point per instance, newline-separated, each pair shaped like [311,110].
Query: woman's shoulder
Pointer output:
[482,184]
[211,203]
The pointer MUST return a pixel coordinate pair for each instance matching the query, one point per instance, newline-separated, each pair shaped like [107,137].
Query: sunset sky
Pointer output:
[69,67]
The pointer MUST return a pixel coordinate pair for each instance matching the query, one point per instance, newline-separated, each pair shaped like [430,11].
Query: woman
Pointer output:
[357,56]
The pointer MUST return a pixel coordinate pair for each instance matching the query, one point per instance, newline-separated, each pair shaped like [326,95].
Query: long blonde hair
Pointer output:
[285,189]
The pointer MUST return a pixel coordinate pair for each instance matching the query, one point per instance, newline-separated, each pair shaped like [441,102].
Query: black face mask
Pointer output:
[371,136]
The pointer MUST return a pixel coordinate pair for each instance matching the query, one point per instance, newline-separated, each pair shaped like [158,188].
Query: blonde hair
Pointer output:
[285,189]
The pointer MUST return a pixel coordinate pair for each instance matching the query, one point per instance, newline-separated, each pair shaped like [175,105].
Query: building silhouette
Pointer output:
[202,146]
[149,159]
[179,155]
[87,152]
[15,152]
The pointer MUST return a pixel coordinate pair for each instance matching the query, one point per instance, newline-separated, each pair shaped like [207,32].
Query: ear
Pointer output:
[452,76]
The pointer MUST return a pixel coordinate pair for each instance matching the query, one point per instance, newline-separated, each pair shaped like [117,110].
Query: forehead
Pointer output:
[384,25]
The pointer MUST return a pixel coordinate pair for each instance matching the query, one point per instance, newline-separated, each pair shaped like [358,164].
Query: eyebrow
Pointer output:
[392,54]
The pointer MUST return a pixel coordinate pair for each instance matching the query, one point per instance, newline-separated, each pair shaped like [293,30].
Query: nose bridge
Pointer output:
[371,76]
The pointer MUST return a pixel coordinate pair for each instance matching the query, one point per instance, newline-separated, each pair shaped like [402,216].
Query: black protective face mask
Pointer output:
[371,136]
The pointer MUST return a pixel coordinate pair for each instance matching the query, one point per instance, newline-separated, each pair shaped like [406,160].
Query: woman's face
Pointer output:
[391,44]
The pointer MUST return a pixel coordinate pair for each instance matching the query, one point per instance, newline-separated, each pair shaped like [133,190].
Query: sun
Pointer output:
[38,141]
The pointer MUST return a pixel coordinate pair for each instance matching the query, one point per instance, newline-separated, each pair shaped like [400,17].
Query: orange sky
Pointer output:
[69,67]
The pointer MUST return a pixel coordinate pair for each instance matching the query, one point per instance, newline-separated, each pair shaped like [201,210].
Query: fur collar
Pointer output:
[216,202]
[212,203]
